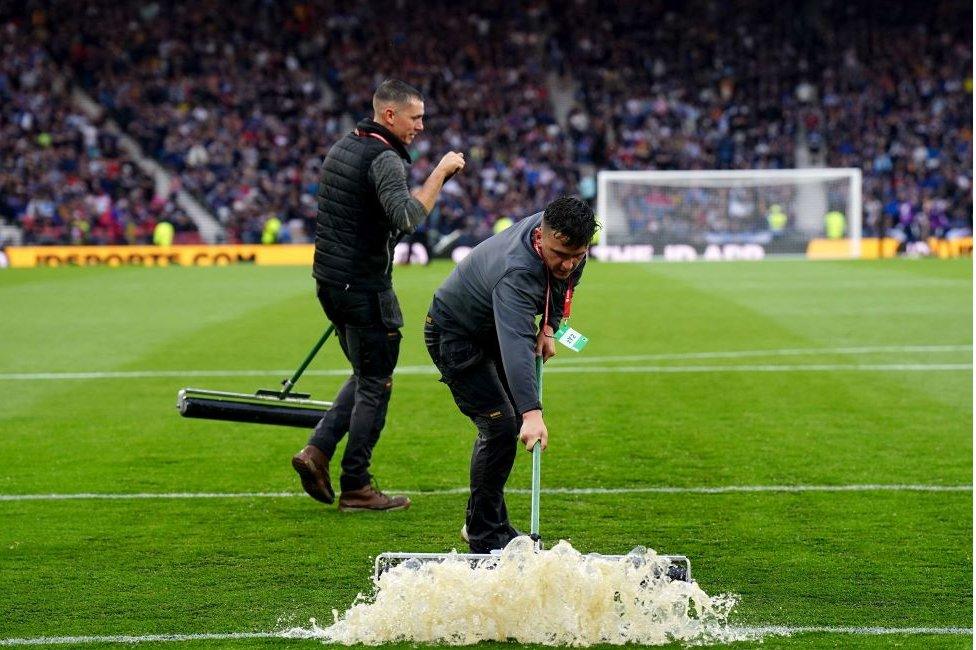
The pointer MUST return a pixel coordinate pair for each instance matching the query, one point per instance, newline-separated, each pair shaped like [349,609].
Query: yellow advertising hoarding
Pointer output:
[302,254]
[872,248]
[196,255]
[962,247]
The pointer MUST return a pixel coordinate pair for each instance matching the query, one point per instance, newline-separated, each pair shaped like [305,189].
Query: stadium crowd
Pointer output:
[860,85]
[241,101]
[243,104]
[63,179]
[899,104]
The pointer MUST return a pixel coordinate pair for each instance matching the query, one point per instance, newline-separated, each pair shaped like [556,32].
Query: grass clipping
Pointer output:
[554,597]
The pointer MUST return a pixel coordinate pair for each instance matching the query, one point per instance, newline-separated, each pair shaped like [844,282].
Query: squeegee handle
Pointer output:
[290,383]
[536,471]
[536,464]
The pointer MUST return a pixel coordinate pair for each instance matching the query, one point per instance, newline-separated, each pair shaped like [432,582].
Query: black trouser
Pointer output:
[475,375]
[367,325]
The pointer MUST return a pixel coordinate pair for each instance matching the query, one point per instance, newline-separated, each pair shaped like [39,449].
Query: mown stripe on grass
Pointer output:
[771,630]
[431,370]
[721,489]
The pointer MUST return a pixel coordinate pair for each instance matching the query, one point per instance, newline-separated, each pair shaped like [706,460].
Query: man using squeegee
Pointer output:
[364,207]
[481,334]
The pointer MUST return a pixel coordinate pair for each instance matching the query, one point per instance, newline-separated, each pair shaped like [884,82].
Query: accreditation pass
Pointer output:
[571,338]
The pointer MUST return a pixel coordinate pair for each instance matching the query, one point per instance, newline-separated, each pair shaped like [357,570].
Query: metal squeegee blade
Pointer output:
[679,567]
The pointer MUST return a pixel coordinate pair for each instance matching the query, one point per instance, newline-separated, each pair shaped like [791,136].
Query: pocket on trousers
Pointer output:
[390,312]
[457,355]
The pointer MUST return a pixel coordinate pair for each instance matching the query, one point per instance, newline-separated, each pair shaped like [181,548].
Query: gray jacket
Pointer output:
[492,298]
[389,177]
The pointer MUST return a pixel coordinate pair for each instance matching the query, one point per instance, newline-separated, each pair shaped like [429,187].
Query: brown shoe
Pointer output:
[312,466]
[369,498]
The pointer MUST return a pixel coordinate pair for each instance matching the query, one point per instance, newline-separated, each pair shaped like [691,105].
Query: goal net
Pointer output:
[727,214]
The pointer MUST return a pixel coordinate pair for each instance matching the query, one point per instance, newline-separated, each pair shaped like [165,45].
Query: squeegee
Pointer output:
[677,567]
[281,407]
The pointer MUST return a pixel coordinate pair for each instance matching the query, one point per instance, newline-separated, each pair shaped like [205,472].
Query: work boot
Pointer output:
[514,532]
[312,466]
[369,498]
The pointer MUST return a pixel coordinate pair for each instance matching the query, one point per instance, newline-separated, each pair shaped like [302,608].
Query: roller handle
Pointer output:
[290,383]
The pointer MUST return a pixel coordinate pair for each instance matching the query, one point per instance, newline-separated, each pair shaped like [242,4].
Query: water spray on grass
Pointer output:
[557,597]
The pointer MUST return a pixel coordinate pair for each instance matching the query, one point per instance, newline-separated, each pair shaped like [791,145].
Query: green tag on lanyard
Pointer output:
[571,338]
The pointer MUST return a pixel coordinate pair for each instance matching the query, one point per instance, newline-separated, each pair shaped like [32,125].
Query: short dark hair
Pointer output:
[572,219]
[394,91]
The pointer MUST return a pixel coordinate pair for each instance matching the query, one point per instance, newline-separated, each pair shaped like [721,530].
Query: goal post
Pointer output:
[754,213]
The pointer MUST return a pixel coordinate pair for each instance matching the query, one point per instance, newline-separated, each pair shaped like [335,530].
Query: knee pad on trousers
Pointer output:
[379,385]
[503,426]
[375,388]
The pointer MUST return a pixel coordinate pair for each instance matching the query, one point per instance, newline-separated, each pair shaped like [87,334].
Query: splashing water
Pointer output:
[554,597]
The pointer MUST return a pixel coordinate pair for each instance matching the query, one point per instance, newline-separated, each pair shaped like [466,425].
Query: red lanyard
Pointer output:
[363,134]
[567,301]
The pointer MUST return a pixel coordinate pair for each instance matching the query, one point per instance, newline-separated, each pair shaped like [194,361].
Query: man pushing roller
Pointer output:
[482,336]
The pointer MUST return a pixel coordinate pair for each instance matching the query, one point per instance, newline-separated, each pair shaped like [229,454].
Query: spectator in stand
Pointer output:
[242,104]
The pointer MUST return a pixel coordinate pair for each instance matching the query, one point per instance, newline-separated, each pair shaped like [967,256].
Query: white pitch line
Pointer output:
[148,638]
[556,368]
[776,630]
[158,374]
[148,495]
[785,630]
[730,489]
[823,367]
[784,352]
[722,489]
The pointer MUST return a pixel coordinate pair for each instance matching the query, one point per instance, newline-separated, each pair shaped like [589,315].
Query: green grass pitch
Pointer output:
[696,376]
